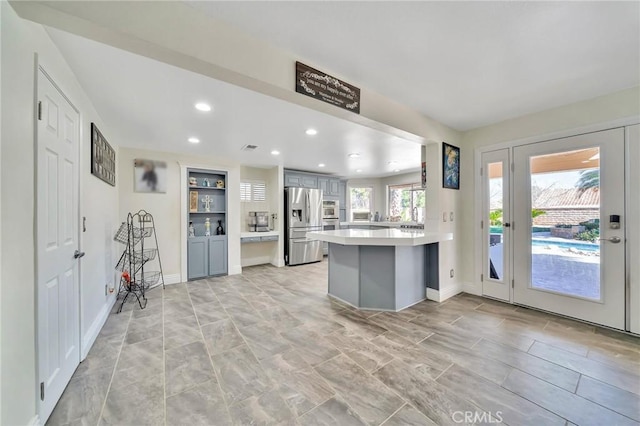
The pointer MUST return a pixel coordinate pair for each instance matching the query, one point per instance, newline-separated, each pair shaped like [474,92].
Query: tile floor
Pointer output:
[269,347]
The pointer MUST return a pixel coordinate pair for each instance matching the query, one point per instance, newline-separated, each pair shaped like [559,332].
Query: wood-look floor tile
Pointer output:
[358,323]
[414,355]
[366,354]
[542,369]
[615,376]
[409,330]
[623,402]
[371,401]
[500,334]
[491,369]
[492,398]
[313,348]
[409,416]
[430,397]
[565,404]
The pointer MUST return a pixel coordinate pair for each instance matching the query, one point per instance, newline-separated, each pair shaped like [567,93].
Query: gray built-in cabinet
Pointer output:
[332,188]
[207,255]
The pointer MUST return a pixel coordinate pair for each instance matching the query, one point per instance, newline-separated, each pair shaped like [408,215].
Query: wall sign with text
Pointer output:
[319,85]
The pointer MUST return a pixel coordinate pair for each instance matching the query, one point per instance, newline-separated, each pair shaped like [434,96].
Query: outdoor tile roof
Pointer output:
[565,197]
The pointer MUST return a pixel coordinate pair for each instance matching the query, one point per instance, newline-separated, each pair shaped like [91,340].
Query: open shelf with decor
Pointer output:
[207,223]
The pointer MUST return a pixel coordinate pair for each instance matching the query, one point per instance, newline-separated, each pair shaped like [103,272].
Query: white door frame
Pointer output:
[39,67]
[478,213]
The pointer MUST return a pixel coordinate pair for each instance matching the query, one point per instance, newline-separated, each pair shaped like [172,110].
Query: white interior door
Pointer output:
[496,230]
[570,258]
[57,242]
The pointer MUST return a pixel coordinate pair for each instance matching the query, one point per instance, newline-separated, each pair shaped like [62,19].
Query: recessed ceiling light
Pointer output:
[321,165]
[359,171]
[201,106]
[194,140]
[274,152]
[311,132]
[396,170]
[354,155]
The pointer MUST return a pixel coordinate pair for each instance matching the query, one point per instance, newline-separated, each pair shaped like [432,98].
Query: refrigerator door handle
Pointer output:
[308,206]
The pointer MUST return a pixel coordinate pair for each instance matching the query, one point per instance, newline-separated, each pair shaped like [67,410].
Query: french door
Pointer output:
[568,227]
[496,227]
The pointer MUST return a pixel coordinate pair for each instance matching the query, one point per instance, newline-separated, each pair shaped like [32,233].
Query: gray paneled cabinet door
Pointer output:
[198,255]
[334,187]
[217,255]
[323,184]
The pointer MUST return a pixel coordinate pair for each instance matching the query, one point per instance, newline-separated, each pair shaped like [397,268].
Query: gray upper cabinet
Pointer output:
[343,194]
[330,186]
[334,187]
[300,180]
[323,184]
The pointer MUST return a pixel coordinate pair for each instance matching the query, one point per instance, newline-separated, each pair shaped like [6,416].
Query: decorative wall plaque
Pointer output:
[103,157]
[319,85]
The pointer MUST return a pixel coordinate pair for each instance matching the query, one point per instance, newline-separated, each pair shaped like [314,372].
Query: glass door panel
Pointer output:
[565,222]
[496,226]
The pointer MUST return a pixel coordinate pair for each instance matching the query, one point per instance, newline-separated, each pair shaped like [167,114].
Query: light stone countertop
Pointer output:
[380,237]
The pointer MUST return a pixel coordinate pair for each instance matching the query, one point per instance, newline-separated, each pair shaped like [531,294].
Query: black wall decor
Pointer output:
[450,166]
[103,157]
[319,85]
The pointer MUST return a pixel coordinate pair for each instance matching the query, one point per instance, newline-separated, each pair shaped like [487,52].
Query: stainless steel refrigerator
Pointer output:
[303,213]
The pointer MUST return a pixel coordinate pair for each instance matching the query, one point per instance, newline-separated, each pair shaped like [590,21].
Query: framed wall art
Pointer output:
[103,157]
[150,176]
[450,166]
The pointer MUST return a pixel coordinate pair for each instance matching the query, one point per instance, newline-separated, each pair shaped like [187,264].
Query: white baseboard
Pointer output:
[252,261]
[235,270]
[91,334]
[443,294]
[35,421]
[172,279]
[472,288]
[277,262]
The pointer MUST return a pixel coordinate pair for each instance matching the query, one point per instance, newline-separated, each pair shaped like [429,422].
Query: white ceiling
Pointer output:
[466,64]
[151,105]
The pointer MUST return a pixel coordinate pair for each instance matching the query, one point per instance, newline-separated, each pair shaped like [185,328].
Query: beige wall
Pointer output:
[99,203]
[267,252]
[583,116]
[166,207]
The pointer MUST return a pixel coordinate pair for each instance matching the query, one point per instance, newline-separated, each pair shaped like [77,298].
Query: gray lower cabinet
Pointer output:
[206,256]
[218,255]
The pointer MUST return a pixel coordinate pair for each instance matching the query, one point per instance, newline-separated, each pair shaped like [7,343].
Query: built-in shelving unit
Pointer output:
[206,200]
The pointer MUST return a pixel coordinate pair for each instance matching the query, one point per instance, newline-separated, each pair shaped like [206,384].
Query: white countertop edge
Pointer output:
[259,234]
[379,238]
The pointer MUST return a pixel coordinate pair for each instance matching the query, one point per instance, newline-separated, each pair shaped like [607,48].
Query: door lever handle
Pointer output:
[78,254]
[614,240]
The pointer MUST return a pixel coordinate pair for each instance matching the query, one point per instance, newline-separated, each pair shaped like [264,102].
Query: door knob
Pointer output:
[78,254]
[614,240]
[506,225]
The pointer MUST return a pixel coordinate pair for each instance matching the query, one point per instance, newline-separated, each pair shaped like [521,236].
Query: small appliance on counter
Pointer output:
[258,221]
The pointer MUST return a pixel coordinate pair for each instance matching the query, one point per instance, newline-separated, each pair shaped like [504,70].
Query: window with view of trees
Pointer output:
[403,199]
[361,199]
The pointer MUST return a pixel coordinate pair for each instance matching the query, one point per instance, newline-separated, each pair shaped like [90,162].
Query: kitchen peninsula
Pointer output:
[380,269]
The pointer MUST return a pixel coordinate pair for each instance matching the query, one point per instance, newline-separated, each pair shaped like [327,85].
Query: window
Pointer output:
[253,190]
[403,199]
[361,199]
